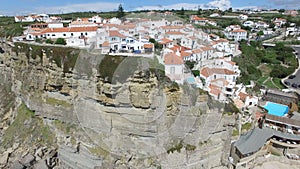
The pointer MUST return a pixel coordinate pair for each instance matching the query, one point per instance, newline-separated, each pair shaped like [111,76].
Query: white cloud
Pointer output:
[220,4]
[100,6]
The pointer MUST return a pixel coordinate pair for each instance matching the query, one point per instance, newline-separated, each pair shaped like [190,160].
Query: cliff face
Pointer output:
[113,111]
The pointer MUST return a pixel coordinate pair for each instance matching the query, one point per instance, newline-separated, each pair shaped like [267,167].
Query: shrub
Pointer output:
[60,41]
[49,41]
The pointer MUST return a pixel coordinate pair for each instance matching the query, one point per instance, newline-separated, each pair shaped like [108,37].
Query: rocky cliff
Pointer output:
[79,109]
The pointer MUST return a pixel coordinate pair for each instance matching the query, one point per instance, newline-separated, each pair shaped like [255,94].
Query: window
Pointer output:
[172,70]
[72,34]
[53,34]
[81,34]
[48,34]
[64,34]
[86,33]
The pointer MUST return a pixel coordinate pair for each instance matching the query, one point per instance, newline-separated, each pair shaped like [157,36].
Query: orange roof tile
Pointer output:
[175,33]
[243,96]
[172,59]
[239,30]
[106,44]
[70,29]
[215,90]
[220,80]
[206,72]
[150,45]
[172,27]
[185,54]
[206,48]
[197,51]
[113,33]
[165,41]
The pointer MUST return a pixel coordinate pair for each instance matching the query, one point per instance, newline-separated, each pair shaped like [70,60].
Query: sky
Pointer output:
[25,7]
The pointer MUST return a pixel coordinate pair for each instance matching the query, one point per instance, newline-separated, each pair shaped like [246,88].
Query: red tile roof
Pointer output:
[172,27]
[172,59]
[215,90]
[106,44]
[165,41]
[206,72]
[113,33]
[175,33]
[243,96]
[150,45]
[71,29]
[239,30]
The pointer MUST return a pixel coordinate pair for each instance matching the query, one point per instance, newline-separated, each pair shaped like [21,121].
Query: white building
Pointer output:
[174,67]
[235,32]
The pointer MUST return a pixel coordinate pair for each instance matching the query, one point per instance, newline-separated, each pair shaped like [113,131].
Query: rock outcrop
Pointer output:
[119,122]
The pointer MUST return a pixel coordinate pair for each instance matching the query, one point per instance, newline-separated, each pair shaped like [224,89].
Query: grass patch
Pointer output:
[64,127]
[278,83]
[99,151]
[262,79]
[265,69]
[56,102]
[27,130]
[235,132]
[246,126]
[269,84]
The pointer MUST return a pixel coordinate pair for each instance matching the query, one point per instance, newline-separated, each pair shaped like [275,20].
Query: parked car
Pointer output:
[294,85]
[292,76]
[287,83]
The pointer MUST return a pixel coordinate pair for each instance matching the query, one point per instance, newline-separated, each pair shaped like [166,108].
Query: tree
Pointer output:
[182,11]
[199,12]
[120,13]
[60,41]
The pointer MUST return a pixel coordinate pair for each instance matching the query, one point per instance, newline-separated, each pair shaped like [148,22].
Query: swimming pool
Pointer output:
[276,109]
[190,80]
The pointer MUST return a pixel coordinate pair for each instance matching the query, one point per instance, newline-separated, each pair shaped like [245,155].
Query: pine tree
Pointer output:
[120,13]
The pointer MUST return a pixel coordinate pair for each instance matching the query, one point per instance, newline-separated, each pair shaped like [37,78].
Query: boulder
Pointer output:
[17,165]
[27,160]
[4,158]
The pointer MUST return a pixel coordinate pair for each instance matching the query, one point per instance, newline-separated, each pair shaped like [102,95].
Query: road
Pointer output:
[295,80]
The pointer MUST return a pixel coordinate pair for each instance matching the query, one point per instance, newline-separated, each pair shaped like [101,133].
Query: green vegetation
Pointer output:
[99,151]
[49,41]
[257,64]
[120,68]
[65,57]
[190,147]
[8,27]
[196,73]
[27,129]
[60,41]
[56,102]
[235,132]
[64,127]
[246,126]
[120,12]
[176,147]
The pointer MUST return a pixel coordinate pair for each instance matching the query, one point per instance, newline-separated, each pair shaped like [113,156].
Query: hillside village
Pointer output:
[192,55]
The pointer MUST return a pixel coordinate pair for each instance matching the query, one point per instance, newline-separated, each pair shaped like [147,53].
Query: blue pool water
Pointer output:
[190,80]
[276,109]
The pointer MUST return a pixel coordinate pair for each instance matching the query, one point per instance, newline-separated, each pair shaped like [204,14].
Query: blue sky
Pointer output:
[23,7]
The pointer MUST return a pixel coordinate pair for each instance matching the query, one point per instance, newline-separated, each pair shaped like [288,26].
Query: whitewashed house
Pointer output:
[24,19]
[197,20]
[235,32]
[174,67]
[69,32]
